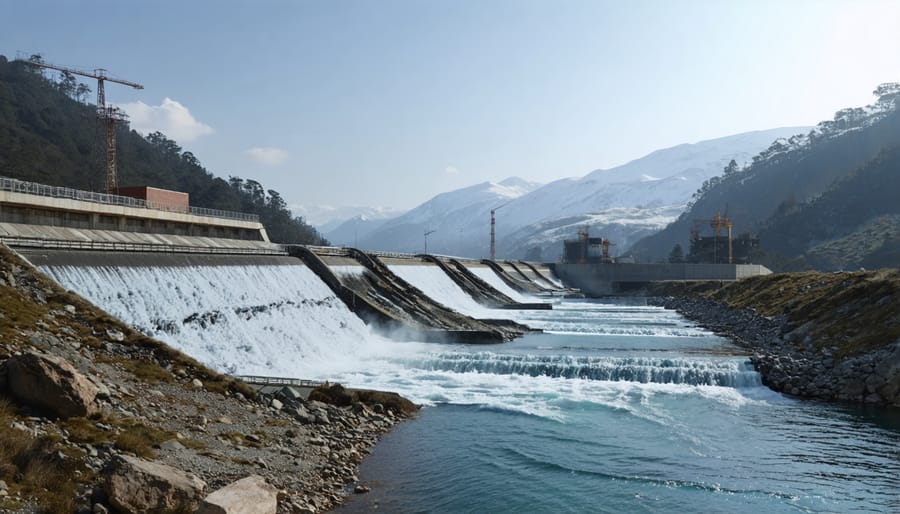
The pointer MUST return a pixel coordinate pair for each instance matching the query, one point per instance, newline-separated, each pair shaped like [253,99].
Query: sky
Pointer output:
[387,103]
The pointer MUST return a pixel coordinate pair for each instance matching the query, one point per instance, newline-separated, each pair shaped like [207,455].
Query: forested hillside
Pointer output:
[49,135]
[789,177]
[855,223]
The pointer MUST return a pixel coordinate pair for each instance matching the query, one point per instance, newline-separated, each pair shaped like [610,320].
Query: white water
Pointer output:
[283,321]
[347,270]
[269,320]
[432,281]
[551,279]
[494,280]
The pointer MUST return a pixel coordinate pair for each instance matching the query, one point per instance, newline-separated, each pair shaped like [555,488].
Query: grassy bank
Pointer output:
[851,312]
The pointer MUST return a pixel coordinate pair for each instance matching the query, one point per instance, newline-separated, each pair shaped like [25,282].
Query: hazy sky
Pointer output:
[387,103]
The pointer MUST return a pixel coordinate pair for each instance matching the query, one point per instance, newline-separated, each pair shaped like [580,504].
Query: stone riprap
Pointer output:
[791,361]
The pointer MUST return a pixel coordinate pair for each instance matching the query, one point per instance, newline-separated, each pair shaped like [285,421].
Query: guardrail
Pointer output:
[131,247]
[278,381]
[33,188]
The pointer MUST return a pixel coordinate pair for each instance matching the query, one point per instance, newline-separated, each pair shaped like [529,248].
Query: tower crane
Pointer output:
[107,115]
[718,222]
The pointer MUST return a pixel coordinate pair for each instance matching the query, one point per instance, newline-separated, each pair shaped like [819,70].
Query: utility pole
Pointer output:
[426,238]
[107,115]
[494,222]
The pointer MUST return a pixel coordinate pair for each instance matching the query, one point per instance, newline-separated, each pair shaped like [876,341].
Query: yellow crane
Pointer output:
[107,115]
[718,222]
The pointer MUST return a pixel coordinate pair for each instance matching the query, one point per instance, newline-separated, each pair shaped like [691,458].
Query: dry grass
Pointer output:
[140,439]
[30,465]
[855,312]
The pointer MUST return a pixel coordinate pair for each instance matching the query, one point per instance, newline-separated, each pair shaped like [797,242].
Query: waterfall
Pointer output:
[253,319]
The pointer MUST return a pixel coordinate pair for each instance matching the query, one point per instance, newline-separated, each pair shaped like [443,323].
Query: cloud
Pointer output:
[451,170]
[267,155]
[170,117]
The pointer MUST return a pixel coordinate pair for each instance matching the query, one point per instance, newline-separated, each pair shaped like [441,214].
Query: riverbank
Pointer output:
[828,336]
[114,403]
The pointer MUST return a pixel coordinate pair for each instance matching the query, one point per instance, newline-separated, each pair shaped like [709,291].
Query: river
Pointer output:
[617,407]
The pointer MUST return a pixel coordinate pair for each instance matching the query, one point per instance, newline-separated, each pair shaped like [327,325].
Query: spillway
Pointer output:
[246,319]
[494,280]
[432,281]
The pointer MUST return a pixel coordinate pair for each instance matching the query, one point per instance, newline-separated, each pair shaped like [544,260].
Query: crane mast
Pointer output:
[107,115]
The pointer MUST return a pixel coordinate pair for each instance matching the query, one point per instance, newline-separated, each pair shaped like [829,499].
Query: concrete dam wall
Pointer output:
[603,279]
[151,254]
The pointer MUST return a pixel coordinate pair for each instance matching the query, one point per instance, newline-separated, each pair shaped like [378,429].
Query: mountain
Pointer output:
[328,217]
[452,219]
[793,175]
[48,136]
[349,232]
[623,203]
[853,224]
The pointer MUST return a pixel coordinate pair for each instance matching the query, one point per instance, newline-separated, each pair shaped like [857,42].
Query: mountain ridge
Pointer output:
[461,218]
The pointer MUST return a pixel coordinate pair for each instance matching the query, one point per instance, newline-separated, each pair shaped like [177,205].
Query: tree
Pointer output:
[81,92]
[67,84]
[677,254]
[731,168]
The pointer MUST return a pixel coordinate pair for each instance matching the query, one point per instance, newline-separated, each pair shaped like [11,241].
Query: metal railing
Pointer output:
[278,381]
[33,188]
[130,247]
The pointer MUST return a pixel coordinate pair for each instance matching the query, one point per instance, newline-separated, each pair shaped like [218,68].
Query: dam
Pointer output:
[139,249]
[597,279]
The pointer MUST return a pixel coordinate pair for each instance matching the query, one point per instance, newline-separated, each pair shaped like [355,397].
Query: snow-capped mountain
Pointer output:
[452,219]
[349,232]
[328,217]
[621,203]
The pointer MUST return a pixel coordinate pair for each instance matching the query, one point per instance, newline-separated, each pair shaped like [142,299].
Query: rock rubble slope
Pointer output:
[829,336]
[142,427]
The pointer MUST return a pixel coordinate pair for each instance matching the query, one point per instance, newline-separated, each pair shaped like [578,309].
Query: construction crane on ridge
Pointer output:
[107,115]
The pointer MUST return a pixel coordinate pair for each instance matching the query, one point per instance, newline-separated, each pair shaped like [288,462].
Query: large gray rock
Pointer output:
[250,495]
[50,383]
[136,485]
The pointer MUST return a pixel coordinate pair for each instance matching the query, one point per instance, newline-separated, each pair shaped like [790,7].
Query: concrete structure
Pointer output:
[39,215]
[604,279]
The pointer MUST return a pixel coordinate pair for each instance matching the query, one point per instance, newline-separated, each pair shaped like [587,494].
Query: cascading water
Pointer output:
[432,281]
[494,280]
[269,320]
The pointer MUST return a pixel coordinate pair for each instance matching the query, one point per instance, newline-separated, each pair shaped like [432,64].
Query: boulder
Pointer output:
[136,485]
[50,383]
[250,495]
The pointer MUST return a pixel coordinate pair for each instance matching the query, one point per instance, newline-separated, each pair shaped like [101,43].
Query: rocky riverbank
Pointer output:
[97,417]
[825,336]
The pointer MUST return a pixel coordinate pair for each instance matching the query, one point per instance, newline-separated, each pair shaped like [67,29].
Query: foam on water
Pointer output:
[347,270]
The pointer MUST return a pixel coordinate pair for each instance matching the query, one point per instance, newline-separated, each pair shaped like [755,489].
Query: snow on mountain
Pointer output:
[328,217]
[622,203]
[452,218]
[349,232]
[679,172]
[624,225]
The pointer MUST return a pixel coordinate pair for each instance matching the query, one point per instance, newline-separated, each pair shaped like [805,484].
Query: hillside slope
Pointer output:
[157,404]
[855,223]
[790,172]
